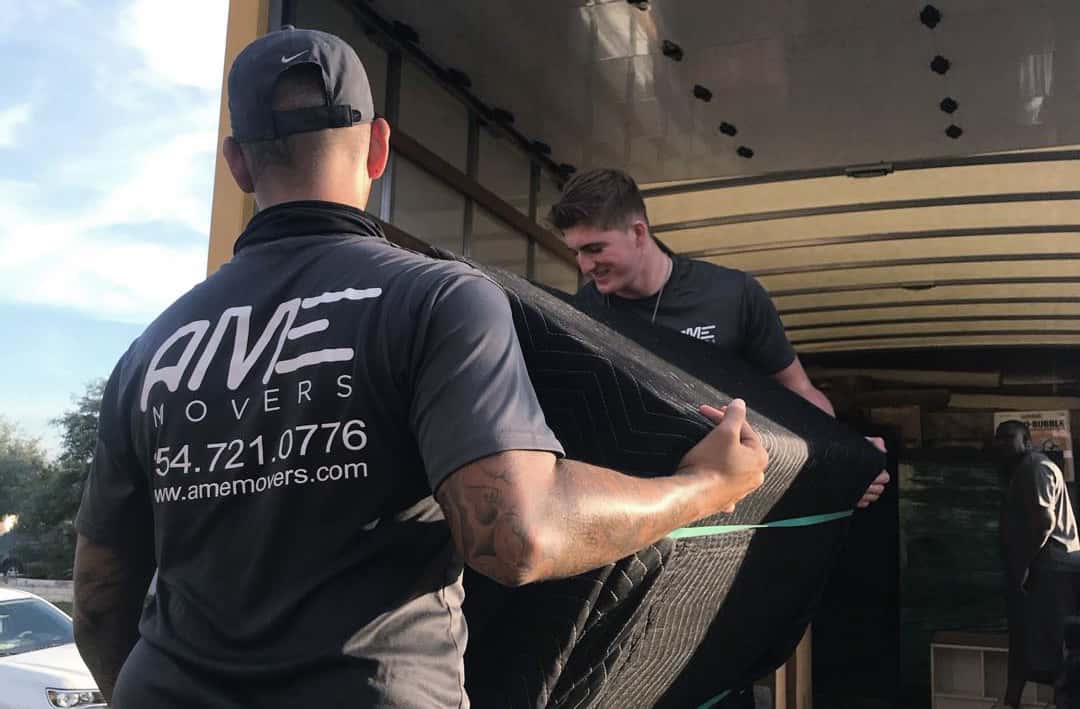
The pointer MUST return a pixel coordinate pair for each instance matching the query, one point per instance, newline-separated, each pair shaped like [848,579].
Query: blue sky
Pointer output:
[108,132]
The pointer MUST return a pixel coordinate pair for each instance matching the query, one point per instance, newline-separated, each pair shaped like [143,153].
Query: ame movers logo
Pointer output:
[281,328]
[701,332]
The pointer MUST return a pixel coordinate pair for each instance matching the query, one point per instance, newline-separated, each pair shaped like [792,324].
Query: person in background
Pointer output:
[1041,550]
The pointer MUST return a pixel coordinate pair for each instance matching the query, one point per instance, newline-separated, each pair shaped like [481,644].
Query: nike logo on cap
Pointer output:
[286,60]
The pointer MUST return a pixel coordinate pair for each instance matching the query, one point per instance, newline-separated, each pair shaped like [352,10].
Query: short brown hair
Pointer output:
[605,199]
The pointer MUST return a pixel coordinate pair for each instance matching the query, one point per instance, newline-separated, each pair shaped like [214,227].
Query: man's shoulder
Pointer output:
[1047,464]
[408,275]
[1040,465]
[1036,458]
[392,260]
[437,269]
[421,278]
[707,274]
[380,260]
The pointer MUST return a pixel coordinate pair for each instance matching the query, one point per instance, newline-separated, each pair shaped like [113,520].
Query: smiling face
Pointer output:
[602,215]
[613,258]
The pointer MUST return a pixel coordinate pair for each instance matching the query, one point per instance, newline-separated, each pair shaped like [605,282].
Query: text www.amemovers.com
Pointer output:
[262,483]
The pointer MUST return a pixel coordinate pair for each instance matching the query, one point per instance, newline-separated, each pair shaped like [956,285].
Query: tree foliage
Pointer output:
[47,515]
[22,459]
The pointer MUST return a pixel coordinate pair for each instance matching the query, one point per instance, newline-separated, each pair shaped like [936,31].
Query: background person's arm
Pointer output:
[110,588]
[523,516]
[114,552]
[766,345]
[794,378]
[1037,487]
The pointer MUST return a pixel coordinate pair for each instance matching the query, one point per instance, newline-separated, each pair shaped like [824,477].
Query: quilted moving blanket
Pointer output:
[680,622]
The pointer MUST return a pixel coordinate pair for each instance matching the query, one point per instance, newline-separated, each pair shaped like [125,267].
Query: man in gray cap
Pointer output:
[307,445]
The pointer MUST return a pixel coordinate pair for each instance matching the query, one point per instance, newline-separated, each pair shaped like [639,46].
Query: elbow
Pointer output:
[84,613]
[82,621]
[519,557]
[816,397]
[519,578]
[83,631]
[515,578]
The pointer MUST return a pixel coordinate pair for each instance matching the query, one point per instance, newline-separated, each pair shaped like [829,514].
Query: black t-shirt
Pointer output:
[275,437]
[720,305]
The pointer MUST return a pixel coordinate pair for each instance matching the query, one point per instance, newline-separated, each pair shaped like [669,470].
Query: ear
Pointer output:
[234,156]
[378,148]
[641,233]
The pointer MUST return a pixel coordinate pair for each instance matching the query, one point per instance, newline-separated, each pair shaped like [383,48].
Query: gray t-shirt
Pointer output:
[1039,526]
[274,439]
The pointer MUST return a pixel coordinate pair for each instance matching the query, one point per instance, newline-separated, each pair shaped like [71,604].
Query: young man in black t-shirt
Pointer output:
[602,215]
[309,444]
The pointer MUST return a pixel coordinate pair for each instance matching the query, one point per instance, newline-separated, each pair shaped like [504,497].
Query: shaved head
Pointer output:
[300,154]
[327,165]
[1012,439]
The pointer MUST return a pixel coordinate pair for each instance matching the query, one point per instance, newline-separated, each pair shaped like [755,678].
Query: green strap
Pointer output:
[715,700]
[691,532]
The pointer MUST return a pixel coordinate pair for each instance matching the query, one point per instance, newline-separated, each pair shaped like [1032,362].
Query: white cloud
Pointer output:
[182,43]
[11,119]
[84,194]
[18,16]
[152,167]
[169,183]
[116,280]
[74,262]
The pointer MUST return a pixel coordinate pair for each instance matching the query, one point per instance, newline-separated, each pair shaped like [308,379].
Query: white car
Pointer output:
[40,668]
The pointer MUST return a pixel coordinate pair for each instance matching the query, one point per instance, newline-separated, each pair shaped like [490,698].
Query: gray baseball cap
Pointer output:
[255,73]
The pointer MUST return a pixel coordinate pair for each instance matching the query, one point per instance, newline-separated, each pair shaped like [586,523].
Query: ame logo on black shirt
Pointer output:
[701,332]
[242,361]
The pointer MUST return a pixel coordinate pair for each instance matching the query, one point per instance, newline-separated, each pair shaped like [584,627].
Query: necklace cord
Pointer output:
[660,294]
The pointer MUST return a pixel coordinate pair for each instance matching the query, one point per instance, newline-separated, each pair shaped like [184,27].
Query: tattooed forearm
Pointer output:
[520,523]
[108,600]
[606,516]
[488,525]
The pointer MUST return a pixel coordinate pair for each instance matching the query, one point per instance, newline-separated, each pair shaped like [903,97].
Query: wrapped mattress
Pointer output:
[707,610]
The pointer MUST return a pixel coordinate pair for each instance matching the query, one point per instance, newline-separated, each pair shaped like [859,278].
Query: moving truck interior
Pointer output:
[902,177]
